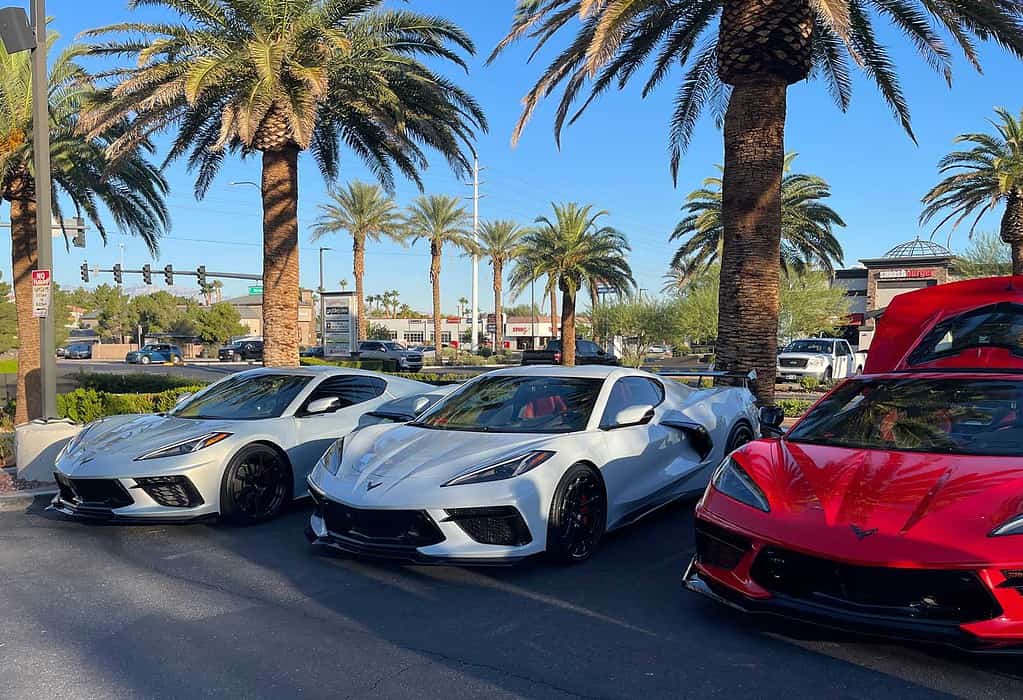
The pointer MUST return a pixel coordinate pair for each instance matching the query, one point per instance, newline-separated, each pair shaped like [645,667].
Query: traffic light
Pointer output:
[168,275]
[147,275]
[79,240]
[85,271]
[118,277]
[201,274]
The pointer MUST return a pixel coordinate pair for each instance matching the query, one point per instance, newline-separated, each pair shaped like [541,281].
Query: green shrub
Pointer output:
[370,365]
[87,405]
[794,407]
[135,383]
[81,405]
[809,383]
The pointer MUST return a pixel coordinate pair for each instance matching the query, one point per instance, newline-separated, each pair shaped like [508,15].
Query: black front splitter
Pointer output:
[400,554]
[106,515]
[944,634]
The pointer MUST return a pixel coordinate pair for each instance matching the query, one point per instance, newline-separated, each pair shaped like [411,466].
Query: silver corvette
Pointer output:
[240,449]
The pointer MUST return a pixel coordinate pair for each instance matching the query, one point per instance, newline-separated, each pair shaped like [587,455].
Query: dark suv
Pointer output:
[405,359]
[242,350]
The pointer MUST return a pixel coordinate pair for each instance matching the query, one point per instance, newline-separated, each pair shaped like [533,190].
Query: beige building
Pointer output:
[250,308]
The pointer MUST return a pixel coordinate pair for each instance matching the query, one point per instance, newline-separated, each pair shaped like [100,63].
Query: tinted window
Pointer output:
[350,389]
[245,397]
[818,347]
[631,391]
[998,325]
[586,347]
[954,416]
[394,346]
[508,404]
[554,345]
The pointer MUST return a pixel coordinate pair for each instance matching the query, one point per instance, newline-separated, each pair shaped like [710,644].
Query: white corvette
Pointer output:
[525,460]
[241,448]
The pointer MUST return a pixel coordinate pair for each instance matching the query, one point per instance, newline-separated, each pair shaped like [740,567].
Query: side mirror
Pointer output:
[324,405]
[771,418]
[633,415]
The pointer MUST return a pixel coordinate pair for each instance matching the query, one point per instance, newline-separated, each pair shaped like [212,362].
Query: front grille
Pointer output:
[499,526]
[792,362]
[920,594]
[719,547]
[171,491]
[104,493]
[412,528]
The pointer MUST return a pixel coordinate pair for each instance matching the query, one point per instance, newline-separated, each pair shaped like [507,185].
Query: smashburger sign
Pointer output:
[914,273]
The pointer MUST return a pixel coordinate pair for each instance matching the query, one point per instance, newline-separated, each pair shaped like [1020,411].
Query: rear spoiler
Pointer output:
[747,378]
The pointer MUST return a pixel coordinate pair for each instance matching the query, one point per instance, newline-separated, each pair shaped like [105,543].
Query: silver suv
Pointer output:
[408,360]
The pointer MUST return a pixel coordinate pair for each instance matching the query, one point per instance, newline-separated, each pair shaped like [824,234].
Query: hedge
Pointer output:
[369,365]
[86,405]
[794,407]
[135,383]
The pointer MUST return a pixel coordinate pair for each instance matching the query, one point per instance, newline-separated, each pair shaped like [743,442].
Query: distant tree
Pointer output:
[156,312]
[114,318]
[8,319]
[61,309]
[390,299]
[527,310]
[378,331]
[987,256]
[500,241]
[698,307]
[640,322]
[810,306]
[218,323]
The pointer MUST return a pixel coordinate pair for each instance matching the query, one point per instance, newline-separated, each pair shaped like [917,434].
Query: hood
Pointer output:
[131,436]
[397,453]
[803,355]
[917,499]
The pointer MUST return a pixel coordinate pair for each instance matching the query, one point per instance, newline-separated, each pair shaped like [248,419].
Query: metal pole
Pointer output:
[532,309]
[322,328]
[475,258]
[44,206]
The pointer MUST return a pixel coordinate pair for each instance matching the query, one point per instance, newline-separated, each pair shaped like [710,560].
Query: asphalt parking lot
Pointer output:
[103,611]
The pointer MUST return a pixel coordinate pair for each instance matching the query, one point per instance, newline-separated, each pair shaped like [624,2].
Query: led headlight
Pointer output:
[1012,526]
[186,446]
[330,462]
[503,470]
[732,480]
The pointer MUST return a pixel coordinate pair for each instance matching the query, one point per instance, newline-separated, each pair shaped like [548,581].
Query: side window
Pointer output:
[349,389]
[631,391]
[587,347]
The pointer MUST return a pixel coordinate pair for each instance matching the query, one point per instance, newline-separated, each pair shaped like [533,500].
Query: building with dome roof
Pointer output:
[906,267]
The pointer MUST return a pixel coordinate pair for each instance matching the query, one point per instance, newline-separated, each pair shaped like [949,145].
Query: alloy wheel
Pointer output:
[259,485]
[582,515]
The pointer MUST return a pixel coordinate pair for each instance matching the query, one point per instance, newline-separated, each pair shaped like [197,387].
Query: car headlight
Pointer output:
[816,362]
[1012,526]
[330,462]
[186,446]
[733,481]
[505,469]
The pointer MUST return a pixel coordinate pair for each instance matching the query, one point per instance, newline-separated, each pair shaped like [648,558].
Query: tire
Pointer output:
[236,357]
[578,515]
[176,360]
[257,485]
[859,370]
[144,359]
[740,435]
[828,375]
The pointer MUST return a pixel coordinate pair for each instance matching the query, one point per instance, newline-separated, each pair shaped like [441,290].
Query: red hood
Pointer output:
[912,315]
[913,506]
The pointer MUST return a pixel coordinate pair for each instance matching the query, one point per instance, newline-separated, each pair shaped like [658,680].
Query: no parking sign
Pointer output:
[41,293]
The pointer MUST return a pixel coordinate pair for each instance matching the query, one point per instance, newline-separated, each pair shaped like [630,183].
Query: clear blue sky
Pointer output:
[615,157]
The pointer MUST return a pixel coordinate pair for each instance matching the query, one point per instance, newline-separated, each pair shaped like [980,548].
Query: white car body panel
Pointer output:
[111,447]
[403,467]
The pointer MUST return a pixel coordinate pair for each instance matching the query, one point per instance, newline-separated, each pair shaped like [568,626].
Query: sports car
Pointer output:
[522,461]
[895,506]
[240,449]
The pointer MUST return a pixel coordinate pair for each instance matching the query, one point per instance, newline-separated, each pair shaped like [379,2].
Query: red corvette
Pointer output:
[895,505]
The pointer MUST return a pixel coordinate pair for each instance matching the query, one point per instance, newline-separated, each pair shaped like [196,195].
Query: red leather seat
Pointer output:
[544,406]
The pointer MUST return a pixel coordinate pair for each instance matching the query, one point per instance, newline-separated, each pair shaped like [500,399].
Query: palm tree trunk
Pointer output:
[359,271]
[554,312]
[29,402]
[1012,228]
[567,328]
[435,251]
[498,310]
[280,257]
[748,301]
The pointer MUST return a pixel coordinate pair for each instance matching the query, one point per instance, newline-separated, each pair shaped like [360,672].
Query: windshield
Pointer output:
[998,325]
[518,405]
[394,346]
[952,416]
[817,347]
[244,398]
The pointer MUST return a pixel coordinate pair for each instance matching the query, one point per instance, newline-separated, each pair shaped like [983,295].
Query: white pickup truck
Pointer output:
[821,358]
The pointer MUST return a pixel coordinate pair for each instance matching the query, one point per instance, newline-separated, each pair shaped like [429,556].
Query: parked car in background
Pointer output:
[241,448]
[586,353]
[894,506]
[405,359]
[314,351]
[155,352]
[823,359]
[61,352]
[242,350]
[522,461]
[79,351]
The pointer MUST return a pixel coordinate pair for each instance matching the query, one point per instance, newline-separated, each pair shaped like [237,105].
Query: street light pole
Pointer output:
[475,258]
[44,205]
[322,336]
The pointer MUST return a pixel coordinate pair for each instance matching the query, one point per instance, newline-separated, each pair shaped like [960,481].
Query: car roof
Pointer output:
[329,370]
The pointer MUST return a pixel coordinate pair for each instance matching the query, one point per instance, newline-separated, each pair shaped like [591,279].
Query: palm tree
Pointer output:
[501,241]
[343,283]
[807,235]
[982,179]
[738,58]
[441,221]
[279,78]
[463,304]
[367,214]
[131,189]
[571,249]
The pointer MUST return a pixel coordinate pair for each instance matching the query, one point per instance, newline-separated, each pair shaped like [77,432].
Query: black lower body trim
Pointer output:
[106,515]
[409,555]
[935,633]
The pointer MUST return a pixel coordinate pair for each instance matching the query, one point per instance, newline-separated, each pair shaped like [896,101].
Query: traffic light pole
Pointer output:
[44,205]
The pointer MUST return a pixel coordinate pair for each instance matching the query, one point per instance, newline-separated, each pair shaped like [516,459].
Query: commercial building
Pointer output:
[250,308]
[520,332]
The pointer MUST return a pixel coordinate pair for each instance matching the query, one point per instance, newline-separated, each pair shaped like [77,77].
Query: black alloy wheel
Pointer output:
[257,485]
[740,435]
[578,515]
